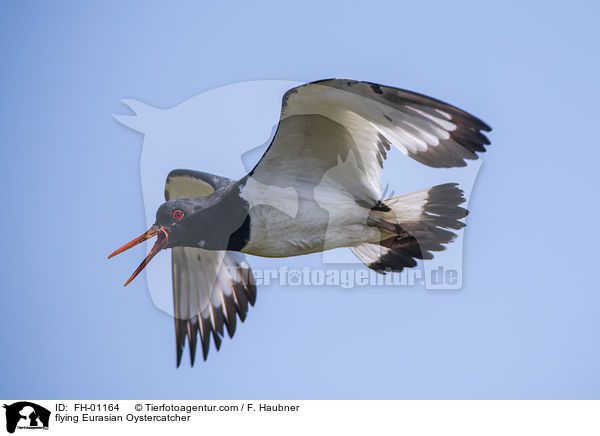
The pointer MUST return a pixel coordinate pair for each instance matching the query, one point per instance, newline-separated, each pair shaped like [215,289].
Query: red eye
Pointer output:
[178,214]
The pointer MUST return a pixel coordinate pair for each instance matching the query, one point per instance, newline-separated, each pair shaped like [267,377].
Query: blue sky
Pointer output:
[525,323]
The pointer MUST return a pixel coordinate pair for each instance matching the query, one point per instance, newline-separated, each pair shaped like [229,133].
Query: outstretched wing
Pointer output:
[325,123]
[210,288]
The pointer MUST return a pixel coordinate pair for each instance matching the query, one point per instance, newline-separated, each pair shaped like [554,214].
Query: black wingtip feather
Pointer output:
[205,336]
[180,335]
[192,340]
[241,299]
[217,339]
[230,318]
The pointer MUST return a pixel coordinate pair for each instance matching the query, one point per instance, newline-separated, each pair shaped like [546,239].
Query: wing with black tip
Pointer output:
[210,288]
[325,123]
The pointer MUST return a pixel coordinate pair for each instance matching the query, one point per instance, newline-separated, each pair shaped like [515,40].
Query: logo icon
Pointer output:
[26,415]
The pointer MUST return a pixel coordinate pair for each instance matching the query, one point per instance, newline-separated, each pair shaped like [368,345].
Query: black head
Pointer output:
[173,227]
[174,217]
[210,222]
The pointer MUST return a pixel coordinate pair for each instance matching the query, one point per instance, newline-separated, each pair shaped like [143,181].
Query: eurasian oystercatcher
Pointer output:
[317,187]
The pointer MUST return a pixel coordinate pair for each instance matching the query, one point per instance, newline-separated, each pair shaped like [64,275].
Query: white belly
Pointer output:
[293,221]
[274,233]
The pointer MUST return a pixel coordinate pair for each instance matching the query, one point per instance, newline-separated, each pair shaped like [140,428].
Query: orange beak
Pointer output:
[161,242]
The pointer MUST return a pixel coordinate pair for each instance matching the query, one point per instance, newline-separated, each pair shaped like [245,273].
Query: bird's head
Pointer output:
[169,228]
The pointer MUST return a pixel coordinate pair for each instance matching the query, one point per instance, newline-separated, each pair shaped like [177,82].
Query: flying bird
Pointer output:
[317,187]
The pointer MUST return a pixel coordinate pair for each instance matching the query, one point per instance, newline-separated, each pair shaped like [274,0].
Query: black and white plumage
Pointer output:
[317,187]
[211,288]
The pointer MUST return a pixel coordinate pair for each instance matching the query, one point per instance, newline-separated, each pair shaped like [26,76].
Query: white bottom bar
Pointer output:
[311,417]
